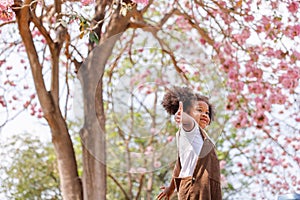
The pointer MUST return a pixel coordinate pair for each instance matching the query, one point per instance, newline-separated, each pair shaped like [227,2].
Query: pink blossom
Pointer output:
[297,159]
[145,2]
[262,158]
[224,181]
[222,164]
[256,88]
[153,131]
[6,12]
[157,164]
[182,23]
[228,48]
[277,98]
[242,120]
[232,74]
[293,7]
[287,82]
[274,162]
[141,170]
[242,37]
[232,98]
[274,5]
[290,79]
[170,138]
[295,56]
[261,104]
[236,86]
[202,41]
[86,2]
[36,33]
[149,150]
[249,18]
[253,72]
[228,65]
[260,118]
[282,65]
[239,164]
[269,150]
[292,31]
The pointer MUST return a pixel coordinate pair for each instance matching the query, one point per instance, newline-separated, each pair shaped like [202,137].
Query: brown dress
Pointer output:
[205,182]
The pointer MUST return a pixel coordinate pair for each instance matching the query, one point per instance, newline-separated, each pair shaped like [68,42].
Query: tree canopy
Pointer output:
[243,54]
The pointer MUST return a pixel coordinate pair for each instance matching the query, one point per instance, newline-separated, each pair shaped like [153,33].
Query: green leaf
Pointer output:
[93,37]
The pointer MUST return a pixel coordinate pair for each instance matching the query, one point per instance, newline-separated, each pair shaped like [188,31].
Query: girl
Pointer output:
[196,175]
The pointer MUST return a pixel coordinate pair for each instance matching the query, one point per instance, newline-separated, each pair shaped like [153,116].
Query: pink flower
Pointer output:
[236,86]
[86,2]
[228,65]
[292,31]
[242,120]
[232,74]
[296,54]
[277,98]
[293,7]
[269,150]
[182,23]
[6,13]
[232,98]
[290,79]
[224,181]
[228,48]
[145,2]
[282,65]
[202,41]
[253,72]
[262,105]
[141,170]
[256,88]
[249,18]
[170,138]
[149,150]
[157,164]
[241,38]
[222,164]
[260,118]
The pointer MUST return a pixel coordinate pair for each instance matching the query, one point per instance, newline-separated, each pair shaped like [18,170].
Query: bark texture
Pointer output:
[70,182]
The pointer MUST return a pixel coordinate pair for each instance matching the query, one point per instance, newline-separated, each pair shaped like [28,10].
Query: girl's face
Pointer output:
[200,112]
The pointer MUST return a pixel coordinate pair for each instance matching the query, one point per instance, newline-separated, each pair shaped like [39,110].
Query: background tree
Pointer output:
[253,47]
[28,169]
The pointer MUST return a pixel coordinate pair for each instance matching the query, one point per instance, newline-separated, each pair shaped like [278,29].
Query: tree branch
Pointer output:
[120,186]
[23,20]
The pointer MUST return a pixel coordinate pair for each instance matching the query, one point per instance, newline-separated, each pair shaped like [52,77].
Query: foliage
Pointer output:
[244,54]
[28,169]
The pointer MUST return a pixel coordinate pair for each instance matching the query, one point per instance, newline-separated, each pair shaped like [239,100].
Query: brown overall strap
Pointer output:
[206,149]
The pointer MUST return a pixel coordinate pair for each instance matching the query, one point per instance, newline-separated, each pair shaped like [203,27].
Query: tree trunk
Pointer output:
[70,181]
[93,132]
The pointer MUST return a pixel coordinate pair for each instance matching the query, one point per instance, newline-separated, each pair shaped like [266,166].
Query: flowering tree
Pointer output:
[253,46]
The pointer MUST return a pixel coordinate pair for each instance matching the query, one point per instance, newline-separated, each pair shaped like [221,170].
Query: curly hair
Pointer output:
[176,94]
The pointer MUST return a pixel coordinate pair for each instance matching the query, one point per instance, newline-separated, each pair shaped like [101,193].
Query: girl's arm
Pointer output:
[184,119]
[168,191]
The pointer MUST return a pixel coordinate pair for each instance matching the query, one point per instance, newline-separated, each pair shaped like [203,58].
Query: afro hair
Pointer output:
[176,94]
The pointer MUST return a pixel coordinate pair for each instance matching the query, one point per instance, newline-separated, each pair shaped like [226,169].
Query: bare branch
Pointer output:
[120,186]
[141,183]
[8,22]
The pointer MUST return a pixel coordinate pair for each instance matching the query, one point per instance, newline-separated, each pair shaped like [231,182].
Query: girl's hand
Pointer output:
[178,114]
[165,194]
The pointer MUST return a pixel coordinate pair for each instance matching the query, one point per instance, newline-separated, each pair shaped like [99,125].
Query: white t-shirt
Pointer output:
[189,144]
